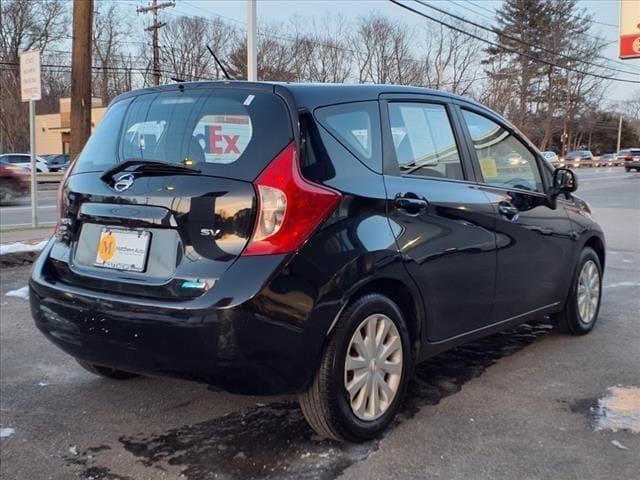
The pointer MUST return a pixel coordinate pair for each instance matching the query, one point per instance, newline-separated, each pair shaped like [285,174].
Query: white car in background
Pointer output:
[551,157]
[24,160]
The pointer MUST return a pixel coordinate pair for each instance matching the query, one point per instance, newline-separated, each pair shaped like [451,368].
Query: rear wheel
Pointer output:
[363,373]
[583,304]
[112,373]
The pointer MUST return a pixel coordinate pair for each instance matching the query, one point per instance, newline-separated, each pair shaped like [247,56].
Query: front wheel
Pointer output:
[363,374]
[583,304]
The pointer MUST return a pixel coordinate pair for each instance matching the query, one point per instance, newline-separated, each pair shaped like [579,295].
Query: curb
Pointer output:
[24,253]
[17,259]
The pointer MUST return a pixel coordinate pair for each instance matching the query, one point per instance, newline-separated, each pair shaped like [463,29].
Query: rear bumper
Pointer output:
[632,164]
[240,348]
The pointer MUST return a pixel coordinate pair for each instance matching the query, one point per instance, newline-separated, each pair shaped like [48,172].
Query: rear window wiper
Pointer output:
[147,166]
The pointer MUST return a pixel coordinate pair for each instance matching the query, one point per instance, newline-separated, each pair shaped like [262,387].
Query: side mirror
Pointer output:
[564,181]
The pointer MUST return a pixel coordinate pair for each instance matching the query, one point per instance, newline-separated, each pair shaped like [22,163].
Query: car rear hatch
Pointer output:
[160,203]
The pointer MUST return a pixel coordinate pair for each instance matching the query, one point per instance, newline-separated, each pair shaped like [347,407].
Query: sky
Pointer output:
[606,12]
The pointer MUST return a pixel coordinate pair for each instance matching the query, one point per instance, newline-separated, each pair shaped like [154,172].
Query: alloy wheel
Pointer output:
[588,292]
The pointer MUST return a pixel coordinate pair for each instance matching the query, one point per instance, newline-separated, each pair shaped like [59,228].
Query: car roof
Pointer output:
[312,95]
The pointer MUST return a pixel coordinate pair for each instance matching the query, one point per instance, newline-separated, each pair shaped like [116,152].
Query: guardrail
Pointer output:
[49,177]
[596,162]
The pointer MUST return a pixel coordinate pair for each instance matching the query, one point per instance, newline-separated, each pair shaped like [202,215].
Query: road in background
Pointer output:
[18,214]
[520,404]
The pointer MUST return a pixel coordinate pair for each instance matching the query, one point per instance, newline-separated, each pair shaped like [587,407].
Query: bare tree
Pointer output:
[384,52]
[24,25]
[184,52]
[276,55]
[632,105]
[111,31]
[324,52]
[451,60]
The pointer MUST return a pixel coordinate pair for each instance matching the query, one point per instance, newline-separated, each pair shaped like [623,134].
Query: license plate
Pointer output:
[123,249]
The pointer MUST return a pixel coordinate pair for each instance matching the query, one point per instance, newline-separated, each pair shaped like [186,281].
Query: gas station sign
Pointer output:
[629,29]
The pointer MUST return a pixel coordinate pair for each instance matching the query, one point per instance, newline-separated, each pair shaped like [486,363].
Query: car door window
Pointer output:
[504,160]
[356,126]
[424,141]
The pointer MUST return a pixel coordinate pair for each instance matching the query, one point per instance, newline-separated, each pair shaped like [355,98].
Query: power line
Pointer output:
[493,12]
[507,49]
[501,33]
[608,60]
[67,68]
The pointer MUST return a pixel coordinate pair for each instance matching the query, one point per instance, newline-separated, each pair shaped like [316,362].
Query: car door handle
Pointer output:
[411,205]
[508,210]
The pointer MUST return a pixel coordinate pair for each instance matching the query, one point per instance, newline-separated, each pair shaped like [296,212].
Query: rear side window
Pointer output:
[357,127]
[224,131]
[504,160]
[423,140]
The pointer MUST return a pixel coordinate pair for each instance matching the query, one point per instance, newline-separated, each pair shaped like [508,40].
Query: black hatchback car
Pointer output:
[313,239]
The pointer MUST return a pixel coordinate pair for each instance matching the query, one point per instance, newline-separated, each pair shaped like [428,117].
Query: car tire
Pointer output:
[627,169]
[6,195]
[327,405]
[106,372]
[577,317]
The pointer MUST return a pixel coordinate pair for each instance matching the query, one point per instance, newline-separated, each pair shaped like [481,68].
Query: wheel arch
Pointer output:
[404,295]
[597,244]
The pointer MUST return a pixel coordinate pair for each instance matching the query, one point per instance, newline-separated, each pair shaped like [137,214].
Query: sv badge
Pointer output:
[209,232]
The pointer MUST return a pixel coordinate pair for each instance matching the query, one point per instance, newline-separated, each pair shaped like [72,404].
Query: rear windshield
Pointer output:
[226,132]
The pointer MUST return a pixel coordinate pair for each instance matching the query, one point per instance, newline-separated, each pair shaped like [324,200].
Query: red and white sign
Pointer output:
[629,28]
[30,84]
[224,137]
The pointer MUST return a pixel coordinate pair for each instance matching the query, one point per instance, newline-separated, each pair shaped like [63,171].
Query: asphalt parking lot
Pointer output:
[521,404]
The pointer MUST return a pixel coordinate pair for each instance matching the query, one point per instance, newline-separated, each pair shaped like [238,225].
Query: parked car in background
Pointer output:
[551,157]
[24,160]
[318,239]
[579,158]
[57,162]
[14,182]
[630,158]
[608,159]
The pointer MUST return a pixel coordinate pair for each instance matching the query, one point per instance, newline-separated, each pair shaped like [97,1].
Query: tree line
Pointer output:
[543,69]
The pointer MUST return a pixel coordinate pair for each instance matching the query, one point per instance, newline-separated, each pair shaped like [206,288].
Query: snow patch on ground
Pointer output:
[623,284]
[619,409]
[20,293]
[7,432]
[22,247]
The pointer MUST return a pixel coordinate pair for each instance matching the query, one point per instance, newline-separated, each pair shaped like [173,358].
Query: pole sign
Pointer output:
[629,29]
[30,83]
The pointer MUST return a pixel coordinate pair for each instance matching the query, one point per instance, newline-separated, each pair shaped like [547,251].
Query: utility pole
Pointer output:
[252,44]
[565,133]
[619,126]
[81,75]
[154,27]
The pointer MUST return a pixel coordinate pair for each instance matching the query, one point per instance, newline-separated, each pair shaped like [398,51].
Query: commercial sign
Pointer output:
[629,29]
[30,84]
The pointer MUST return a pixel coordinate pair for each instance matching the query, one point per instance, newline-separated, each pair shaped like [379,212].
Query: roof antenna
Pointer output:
[219,63]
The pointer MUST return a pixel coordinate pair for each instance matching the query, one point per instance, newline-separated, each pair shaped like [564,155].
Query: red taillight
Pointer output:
[290,208]
[629,157]
[67,172]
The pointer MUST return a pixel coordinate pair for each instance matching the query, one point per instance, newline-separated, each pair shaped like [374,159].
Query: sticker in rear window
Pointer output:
[248,100]
[223,138]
